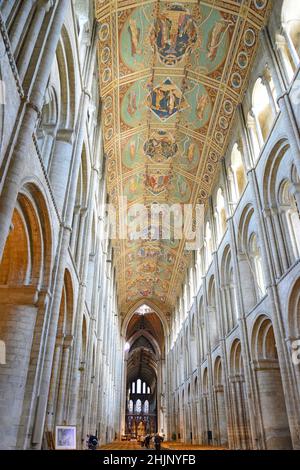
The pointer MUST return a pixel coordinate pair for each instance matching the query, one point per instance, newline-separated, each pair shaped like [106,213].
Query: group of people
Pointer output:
[156,439]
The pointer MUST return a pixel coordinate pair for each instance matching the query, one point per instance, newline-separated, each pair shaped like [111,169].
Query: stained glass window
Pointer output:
[138,406]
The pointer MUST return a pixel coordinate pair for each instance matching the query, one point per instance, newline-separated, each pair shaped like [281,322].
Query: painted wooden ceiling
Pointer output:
[171,77]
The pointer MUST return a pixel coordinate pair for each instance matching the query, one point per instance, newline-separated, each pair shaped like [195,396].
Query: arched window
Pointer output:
[148,390]
[146,407]
[291,219]
[220,214]
[139,386]
[262,111]
[144,387]
[133,387]
[138,406]
[130,406]
[199,269]
[208,245]
[291,31]
[256,264]
[237,175]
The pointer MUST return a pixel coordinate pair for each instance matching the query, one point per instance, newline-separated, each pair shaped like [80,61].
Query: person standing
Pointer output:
[147,441]
[157,441]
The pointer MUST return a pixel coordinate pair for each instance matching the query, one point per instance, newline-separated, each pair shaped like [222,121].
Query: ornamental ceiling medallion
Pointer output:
[171,77]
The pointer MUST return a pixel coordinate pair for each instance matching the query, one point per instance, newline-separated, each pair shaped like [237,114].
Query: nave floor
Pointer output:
[133,445]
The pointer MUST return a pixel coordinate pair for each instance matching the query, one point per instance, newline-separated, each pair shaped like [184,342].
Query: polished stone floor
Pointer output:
[133,445]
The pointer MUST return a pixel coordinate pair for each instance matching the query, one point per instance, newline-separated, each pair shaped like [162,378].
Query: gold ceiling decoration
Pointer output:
[171,77]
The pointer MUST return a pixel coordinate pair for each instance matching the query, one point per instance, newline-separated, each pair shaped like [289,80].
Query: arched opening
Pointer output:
[291,219]
[256,263]
[61,362]
[80,210]
[241,421]
[237,174]
[262,110]
[195,412]
[208,246]
[270,387]
[206,424]
[291,29]
[220,214]
[294,329]
[212,313]
[24,277]
[220,403]
[250,261]
[145,340]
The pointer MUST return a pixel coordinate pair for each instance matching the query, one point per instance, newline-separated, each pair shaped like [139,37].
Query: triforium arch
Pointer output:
[145,332]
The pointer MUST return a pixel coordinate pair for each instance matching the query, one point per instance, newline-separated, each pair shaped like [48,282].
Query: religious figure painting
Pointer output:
[134,32]
[166,100]
[174,34]
[161,146]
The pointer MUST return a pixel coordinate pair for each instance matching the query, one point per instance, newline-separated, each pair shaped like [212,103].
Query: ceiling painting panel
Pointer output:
[171,76]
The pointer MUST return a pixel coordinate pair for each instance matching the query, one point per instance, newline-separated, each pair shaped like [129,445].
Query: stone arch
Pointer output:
[131,311]
[24,278]
[238,390]
[281,198]
[294,311]
[66,66]
[270,388]
[56,410]
[220,402]
[250,262]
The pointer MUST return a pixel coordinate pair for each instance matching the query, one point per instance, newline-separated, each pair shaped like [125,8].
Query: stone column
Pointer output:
[54,383]
[17,325]
[255,141]
[6,8]
[277,265]
[242,305]
[291,128]
[42,8]
[82,235]
[277,320]
[60,166]
[282,49]
[75,225]
[276,426]
[49,136]
[266,79]
[18,25]
[75,380]
[65,363]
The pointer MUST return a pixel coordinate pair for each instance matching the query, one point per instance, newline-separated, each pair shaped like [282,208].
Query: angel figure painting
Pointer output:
[135,34]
